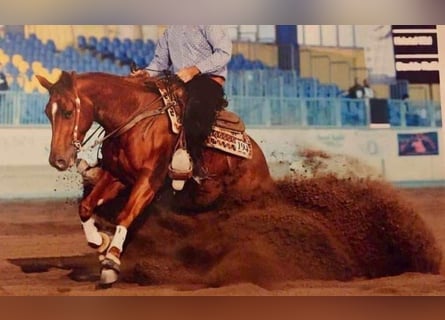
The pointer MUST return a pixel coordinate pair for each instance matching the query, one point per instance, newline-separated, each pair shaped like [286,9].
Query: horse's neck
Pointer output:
[114,102]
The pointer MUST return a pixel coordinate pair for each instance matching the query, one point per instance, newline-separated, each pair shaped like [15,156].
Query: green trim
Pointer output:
[419,183]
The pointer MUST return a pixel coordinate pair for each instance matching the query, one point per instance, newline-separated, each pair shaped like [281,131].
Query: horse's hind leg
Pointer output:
[105,189]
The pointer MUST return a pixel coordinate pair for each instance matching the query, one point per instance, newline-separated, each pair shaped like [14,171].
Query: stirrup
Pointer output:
[180,169]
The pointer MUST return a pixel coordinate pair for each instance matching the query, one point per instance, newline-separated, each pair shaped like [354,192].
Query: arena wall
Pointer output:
[25,172]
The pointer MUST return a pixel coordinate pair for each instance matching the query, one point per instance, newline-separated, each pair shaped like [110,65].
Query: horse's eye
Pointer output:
[67,114]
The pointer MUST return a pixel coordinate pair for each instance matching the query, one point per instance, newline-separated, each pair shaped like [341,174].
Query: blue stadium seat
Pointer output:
[32,37]
[50,46]
[11,69]
[150,45]
[138,44]
[308,87]
[17,36]
[82,42]
[140,61]
[412,120]
[116,42]
[104,41]
[92,42]
[126,44]
[236,62]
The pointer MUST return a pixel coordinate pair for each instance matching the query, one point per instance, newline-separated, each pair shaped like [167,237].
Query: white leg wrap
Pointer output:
[91,232]
[119,238]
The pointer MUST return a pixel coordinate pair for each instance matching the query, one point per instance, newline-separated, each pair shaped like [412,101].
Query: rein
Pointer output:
[119,130]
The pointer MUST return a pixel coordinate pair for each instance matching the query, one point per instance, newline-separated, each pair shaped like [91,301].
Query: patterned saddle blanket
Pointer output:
[228,133]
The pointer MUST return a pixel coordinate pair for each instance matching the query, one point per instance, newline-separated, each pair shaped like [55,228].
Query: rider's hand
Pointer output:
[140,73]
[187,74]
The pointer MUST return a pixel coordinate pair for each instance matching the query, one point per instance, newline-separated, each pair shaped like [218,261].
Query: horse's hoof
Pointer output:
[108,277]
[110,269]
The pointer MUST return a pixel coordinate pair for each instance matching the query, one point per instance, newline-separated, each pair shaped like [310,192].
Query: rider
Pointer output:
[199,55]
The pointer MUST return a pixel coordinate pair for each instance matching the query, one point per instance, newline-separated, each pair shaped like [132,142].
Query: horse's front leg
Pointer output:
[107,188]
[141,195]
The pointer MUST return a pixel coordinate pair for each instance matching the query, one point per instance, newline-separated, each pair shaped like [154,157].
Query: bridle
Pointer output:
[76,143]
[134,119]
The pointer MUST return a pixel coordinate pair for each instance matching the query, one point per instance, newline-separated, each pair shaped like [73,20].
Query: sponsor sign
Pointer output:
[418,144]
[415,53]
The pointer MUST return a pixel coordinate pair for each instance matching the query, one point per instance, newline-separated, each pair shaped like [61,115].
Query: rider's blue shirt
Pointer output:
[208,47]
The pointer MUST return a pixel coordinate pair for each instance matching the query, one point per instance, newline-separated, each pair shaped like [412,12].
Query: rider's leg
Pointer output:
[205,98]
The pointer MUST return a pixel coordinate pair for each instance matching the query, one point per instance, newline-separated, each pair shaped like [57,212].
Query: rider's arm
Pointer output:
[218,37]
[161,60]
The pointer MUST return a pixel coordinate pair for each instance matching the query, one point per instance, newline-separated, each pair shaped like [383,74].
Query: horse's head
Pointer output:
[70,114]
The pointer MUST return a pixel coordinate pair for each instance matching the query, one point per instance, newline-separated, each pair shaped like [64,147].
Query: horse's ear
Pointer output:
[66,78]
[44,82]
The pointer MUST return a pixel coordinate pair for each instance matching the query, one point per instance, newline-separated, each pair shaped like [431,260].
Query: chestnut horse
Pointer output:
[137,156]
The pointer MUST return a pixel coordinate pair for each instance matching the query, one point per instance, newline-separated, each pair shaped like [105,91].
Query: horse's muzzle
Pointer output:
[61,163]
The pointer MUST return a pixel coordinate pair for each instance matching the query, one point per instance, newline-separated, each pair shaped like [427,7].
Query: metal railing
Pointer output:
[331,112]
[27,109]
[19,108]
